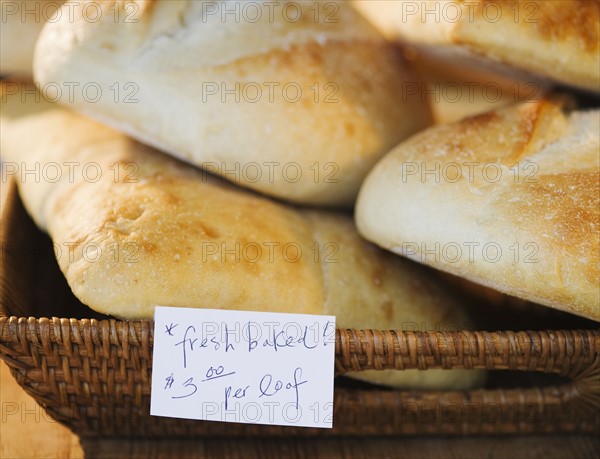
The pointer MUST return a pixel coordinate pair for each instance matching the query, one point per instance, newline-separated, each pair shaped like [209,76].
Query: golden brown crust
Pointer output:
[542,32]
[332,92]
[176,237]
[555,20]
[561,20]
[565,210]
[557,40]
[537,204]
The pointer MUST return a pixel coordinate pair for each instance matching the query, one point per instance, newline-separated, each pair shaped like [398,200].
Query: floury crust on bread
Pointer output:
[162,232]
[299,109]
[557,39]
[508,199]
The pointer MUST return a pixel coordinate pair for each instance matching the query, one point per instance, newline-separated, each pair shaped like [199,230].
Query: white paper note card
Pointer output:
[241,366]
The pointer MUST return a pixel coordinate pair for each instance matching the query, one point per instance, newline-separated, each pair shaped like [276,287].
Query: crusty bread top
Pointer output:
[223,37]
[544,205]
[559,39]
[153,233]
[344,107]
[169,212]
[173,236]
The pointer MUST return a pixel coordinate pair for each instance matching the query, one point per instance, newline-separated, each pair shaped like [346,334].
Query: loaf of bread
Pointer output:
[22,22]
[297,100]
[558,39]
[133,228]
[507,199]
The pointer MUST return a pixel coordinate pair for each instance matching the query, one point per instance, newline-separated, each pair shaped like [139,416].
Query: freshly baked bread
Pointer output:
[296,109]
[558,39]
[162,233]
[508,199]
[22,22]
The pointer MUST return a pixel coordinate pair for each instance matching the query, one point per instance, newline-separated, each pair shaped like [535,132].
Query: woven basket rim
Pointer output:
[66,361]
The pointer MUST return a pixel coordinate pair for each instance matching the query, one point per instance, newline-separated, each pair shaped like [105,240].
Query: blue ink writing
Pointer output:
[303,339]
[190,384]
[267,381]
[279,340]
[325,334]
[228,347]
[239,393]
[169,328]
[251,343]
[216,373]
[184,342]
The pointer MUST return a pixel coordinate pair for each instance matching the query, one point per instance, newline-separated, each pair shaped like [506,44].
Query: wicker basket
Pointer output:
[94,375]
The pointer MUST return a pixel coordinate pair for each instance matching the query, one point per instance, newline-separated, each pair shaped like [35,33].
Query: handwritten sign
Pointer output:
[246,367]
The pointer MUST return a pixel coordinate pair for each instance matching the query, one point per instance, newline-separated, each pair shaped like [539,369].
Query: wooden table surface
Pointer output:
[27,432]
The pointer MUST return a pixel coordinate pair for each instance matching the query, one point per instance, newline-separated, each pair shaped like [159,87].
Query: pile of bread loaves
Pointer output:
[201,149]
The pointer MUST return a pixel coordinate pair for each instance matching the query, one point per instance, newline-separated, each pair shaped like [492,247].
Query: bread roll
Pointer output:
[22,22]
[163,233]
[296,109]
[557,39]
[507,199]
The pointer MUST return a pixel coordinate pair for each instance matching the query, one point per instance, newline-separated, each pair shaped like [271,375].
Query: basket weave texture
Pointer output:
[94,375]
